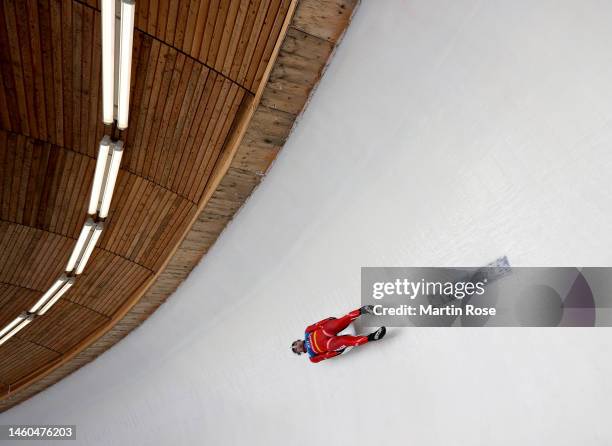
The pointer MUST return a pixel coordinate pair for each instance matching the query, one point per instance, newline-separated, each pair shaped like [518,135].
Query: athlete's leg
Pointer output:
[339,342]
[333,326]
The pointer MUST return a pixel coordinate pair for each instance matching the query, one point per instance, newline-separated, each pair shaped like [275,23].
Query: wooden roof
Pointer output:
[211,106]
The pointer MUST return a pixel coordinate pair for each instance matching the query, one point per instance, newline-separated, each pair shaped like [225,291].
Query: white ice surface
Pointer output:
[445,132]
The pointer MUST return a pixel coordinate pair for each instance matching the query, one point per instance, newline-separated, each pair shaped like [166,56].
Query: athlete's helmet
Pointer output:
[294,347]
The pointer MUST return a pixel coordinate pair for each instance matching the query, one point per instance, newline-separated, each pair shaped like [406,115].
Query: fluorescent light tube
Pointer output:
[101,168]
[23,321]
[50,292]
[125,61]
[12,325]
[108,60]
[111,178]
[65,287]
[97,231]
[105,177]
[86,232]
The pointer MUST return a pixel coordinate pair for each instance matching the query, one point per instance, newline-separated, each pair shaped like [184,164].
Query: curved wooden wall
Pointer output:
[204,128]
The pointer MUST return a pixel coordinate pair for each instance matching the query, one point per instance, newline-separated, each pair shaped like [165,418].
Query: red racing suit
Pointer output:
[321,339]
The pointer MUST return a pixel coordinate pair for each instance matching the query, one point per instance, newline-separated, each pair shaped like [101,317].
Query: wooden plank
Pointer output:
[184,216]
[264,138]
[202,138]
[169,150]
[130,187]
[85,94]
[16,142]
[15,57]
[256,71]
[198,33]
[128,135]
[95,89]
[75,214]
[49,178]
[159,117]
[252,40]
[40,180]
[181,212]
[10,234]
[49,244]
[225,65]
[205,85]
[142,15]
[37,68]
[56,189]
[24,170]
[192,122]
[148,60]
[8,81]
[162,19]
[230,106]
[5,157]
[181,23]
[326,19]
[153,14]
[184,119]
[142,234]
[30,186]
[225,33]
[5,119]
[147,139]
[169,115]
[55,69]
[208,34]
[300,63]
[64,109]
[171,19]
[77,58]
[26,60]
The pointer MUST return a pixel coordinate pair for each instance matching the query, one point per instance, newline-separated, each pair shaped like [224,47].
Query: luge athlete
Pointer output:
[321,340]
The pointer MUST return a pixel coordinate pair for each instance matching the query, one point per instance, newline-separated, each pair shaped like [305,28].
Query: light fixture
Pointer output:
[11,329]
[108,60]
[65,287]
[10,326]
[81,241]
[109,157]
[125,62]
[111,178]
[89,248]
[105,177]
[84,247]
[101,169]
[57,290]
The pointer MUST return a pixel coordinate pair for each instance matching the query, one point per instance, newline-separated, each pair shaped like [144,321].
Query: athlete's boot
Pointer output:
[378,334]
